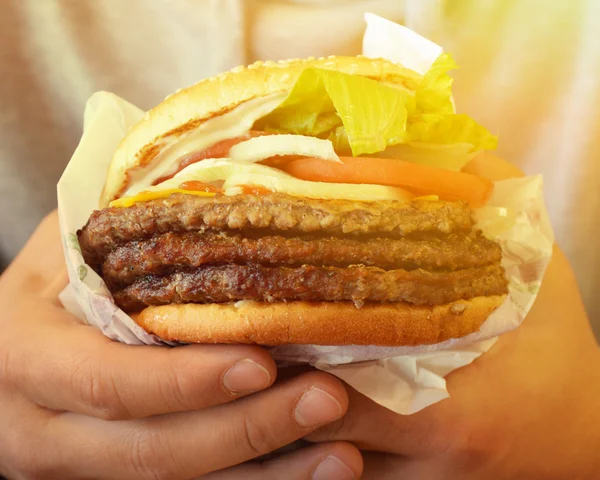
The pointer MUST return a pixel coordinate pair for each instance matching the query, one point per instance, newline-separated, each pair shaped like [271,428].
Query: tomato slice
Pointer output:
[218,150]
[196,186]
[419,179]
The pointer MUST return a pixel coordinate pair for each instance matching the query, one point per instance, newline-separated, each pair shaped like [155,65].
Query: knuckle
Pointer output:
[176,387]
[338,430]
[475,445]
[6,363]
[150,456]
[23,463]
[14,364]
[24,458]
[259,439]
[97,390]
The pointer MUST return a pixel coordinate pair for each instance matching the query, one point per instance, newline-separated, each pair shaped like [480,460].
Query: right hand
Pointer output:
[74,404]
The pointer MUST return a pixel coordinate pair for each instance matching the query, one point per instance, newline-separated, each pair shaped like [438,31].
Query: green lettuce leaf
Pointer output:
[442,141]
[434,121]
[434,94]
[446,129]
[373,115]
[362,116]
[340,141]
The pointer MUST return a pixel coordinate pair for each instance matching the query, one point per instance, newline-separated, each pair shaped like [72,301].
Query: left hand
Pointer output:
[527,409]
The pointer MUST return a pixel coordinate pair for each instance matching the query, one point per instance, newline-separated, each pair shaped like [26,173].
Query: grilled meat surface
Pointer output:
[275,212]
[170,252]
[277,247]
[226,283]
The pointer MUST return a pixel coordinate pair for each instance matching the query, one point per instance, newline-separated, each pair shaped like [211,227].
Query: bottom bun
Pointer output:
[325,323]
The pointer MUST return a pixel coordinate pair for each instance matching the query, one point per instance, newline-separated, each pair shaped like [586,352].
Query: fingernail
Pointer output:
[246,376]
[316,407]
[332,468]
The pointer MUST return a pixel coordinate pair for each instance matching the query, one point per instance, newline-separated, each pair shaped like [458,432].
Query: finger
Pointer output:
[566,317]
[490,166]
[53,289]
[370,426]
[358,428]
[73,367]
[40,261]
[22,434]
[452,421]
[191,444]
[559,280]
[384,466]
[329,461]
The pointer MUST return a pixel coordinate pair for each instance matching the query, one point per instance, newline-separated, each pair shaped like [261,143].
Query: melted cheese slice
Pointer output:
[147,196]
[233,175]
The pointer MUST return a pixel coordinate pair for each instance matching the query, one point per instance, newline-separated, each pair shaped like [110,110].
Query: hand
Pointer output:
[74,404]
[526,409]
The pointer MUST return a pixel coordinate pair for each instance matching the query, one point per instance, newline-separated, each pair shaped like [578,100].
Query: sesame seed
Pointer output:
[458,308]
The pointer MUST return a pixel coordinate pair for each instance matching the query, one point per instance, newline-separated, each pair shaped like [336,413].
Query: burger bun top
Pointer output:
[189,107]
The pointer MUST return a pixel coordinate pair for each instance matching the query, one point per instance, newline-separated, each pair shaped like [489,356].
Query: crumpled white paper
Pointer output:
[403,379]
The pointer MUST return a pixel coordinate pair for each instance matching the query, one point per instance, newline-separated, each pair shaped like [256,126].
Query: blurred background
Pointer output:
[530,72]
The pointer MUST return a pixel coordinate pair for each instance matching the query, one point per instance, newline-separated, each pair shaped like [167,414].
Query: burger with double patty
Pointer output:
[309,202]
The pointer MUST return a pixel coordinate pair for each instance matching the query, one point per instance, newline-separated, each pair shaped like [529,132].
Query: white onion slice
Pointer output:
[235,174]
[303,188]
[265,146]
[214,170]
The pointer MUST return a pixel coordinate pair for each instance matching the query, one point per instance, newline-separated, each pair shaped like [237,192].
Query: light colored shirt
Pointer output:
[530,72]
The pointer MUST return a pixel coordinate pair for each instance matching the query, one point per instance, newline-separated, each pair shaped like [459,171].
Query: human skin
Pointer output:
[527,409]
[74,404]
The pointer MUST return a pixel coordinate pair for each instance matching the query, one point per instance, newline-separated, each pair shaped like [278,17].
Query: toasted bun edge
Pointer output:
[188,107]
[324,323]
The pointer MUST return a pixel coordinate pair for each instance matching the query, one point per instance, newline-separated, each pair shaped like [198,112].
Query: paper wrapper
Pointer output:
[405,379]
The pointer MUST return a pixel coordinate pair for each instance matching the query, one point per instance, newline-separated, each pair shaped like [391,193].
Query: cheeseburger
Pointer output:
[316,201]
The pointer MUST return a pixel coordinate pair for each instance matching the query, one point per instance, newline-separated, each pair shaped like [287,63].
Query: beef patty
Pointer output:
[226,283]
[170,252]
[106,229]
[277,247]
